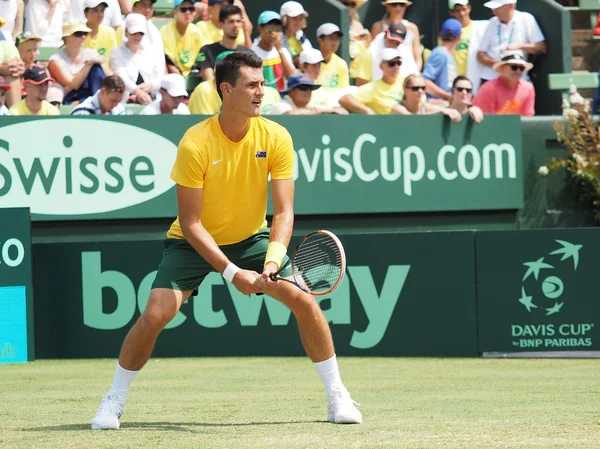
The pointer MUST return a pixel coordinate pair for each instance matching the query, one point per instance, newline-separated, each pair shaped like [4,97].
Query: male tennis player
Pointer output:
[221,171]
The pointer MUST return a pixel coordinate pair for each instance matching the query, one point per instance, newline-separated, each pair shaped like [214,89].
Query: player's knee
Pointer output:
[157,319]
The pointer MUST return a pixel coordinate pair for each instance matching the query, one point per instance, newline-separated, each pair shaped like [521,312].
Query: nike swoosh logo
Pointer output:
[216,162]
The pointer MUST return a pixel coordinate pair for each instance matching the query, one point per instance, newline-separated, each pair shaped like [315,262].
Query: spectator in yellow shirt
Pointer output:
[334,70]
[102,38]
[182,38]
[378,97]
[36,80]
[212,30]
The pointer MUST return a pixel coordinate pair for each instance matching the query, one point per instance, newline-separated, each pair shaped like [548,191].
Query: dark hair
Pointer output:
[113,83]
[229,10]
[228,69]
[460,78]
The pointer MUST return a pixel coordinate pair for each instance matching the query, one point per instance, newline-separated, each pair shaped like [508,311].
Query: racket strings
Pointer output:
[319,262]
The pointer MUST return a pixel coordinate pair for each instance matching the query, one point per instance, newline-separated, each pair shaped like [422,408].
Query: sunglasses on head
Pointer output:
[80,34]
[517,67]
[417,88]
[187,9]
[394,63]
[464,89]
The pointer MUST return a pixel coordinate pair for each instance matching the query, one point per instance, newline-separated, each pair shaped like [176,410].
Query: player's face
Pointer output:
[232,25]
[248,92]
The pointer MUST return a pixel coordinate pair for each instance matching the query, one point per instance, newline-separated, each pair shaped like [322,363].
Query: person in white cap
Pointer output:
[152,38]
[509,93]
[134,64]
[102,38]
[112,16]
[171,97]
[510,29]
[378,97]
[335,74]
[293,20]
[310,64]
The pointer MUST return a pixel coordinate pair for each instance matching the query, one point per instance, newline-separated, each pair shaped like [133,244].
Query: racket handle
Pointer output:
[273,276]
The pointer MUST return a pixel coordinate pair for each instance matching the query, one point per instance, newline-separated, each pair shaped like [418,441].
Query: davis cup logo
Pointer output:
[549,298]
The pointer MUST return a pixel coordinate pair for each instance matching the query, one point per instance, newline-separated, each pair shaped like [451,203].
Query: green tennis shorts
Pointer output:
[182,268]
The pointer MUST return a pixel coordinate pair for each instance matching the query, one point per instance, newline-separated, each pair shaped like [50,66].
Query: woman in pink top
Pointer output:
[508,94]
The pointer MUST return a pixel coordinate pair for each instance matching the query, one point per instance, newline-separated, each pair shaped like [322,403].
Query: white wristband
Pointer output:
[230,271]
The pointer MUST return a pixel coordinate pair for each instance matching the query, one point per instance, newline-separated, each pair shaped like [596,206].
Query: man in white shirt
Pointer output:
[170,101]
[107,101]
[44,18]
[510,29]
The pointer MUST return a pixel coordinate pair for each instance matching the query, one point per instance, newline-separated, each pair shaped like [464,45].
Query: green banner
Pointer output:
[118,167]
[537,290]
[403,295]
[16,300]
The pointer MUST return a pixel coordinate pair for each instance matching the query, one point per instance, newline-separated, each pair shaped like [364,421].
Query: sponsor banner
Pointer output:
[16,301]
[409,294]
[118,167]
[537,290]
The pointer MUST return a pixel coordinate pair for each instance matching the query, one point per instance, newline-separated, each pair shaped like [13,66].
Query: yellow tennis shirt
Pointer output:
[104,42]
[379,95]
[183,50]
[234,176]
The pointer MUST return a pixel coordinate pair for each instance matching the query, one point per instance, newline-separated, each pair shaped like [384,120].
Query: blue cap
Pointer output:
[268,16]
[176,3]
[451,28]
[300,79]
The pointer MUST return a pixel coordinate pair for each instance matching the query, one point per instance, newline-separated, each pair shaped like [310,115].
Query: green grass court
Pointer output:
[279,402]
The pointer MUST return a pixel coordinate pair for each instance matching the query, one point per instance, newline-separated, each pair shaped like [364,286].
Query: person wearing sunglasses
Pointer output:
[378,97]
[440,69]
[462,99]
[509,93]
[182,39]
[414,101]
[395,12]
[78,71]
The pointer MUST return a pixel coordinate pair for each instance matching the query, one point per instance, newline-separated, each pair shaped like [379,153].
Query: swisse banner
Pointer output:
[537,290]
[16,296]
[118,167]
[404,295]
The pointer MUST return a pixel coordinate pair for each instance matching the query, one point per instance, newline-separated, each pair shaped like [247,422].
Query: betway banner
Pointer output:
[409,294]
[80,168]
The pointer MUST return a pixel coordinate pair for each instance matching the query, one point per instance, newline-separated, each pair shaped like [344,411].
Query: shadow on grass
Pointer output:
[174,426]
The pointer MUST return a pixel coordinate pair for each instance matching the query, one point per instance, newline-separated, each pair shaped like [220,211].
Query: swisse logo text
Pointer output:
[378,307]
[12,253]
[100,166]
[494,161]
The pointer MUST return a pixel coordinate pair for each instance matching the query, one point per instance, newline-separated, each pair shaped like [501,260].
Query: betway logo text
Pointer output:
[100,166]
[378,307]
[368,162]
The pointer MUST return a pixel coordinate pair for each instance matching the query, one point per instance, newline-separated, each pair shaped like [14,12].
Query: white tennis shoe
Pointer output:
[341,408]
[109,412]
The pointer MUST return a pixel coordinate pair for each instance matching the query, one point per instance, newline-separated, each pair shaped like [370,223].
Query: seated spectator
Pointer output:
[108,100]
[360,37]
[396,9]
[462,99]
[293,20]
[78,71]
[510,93]
[310,64]
[36,80]
[277,60]
[27,44]
[11,68]
[102,38]
[12,12]
[134,64]
[334,70]
[368,63]
[4,87]
[297,99]
[181,38]
[44,18]
[510,29]
[113,15]
[231,24]
[171,97]
[211,29]
[414,101]
[152,40]
[440,68]
[378,97]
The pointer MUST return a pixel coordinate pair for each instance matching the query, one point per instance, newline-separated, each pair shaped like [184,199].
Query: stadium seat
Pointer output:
[562,81]
[46,52]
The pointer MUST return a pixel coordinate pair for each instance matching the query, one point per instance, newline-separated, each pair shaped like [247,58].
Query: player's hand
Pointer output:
[265,278]
[245,281]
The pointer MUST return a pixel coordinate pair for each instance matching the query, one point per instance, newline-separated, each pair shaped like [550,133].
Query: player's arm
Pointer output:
[189,203]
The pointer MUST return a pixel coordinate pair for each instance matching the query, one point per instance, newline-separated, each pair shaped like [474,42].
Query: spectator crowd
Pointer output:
[109,54]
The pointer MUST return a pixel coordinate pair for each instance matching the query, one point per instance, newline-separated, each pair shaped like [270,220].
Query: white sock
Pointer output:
[329,372]
[122,379]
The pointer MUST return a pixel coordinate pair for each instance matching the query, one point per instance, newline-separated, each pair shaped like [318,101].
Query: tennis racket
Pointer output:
[318,264]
